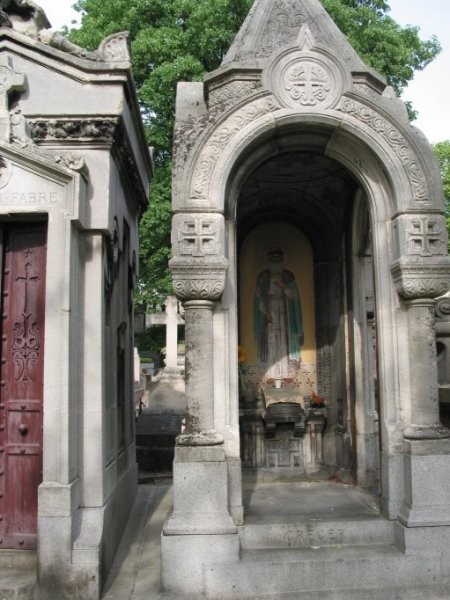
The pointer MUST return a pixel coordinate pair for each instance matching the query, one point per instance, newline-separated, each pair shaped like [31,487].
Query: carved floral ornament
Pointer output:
[418,278]
[223,137]
[198,279]
[385,129]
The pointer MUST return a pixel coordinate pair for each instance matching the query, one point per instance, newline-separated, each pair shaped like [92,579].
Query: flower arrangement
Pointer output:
[241,360]
[241,355]
[316,401]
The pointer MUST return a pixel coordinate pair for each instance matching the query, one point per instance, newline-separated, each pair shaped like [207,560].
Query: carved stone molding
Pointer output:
[418,278]
[101,130]
[198,279]
[222,137]
[395,140]
[232,92]
[75,130]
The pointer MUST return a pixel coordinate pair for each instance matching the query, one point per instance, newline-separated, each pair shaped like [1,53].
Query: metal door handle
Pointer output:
[23,429]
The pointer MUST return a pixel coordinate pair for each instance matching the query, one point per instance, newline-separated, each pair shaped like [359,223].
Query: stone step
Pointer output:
[17,585]
[405,593]
[18,559]
[289,570]
[17,574]
[319,533]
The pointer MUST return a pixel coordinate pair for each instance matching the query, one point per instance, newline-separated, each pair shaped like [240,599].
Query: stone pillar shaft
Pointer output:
[425,423]
[199,366]
[171,333]
[424,400]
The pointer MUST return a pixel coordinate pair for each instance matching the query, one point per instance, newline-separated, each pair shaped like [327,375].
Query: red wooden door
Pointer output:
[23,254]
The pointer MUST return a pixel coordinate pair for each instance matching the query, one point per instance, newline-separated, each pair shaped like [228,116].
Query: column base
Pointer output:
[200,487]
[426,432]
[204,438]
[426,500]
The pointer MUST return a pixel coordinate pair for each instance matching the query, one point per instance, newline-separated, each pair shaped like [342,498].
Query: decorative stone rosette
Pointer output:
[421,278]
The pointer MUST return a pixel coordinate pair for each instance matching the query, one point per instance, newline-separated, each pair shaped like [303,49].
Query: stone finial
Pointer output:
[24,16]
[116,48]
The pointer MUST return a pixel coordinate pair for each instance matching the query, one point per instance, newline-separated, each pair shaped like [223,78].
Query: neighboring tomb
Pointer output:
[74,172]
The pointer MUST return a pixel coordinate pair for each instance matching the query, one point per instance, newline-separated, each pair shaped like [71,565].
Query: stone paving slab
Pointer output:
[306,501]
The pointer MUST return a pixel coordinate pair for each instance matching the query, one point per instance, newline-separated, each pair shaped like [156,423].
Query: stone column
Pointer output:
[171,332]
[426,457]
[200,526]
[418,283]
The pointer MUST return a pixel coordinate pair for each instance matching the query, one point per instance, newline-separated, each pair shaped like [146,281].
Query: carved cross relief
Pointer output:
[425,237]
[307,83]
[199,236]
[10,81]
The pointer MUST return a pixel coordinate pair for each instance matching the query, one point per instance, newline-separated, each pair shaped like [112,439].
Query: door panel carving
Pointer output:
[23,252]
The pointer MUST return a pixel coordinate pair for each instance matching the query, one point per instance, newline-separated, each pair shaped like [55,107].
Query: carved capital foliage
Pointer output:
[198,278]
[421,278]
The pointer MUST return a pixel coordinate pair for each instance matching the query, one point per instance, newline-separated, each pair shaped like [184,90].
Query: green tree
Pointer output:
[442,153]
[181,40]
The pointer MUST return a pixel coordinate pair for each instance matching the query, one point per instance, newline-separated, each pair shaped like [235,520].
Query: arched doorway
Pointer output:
[309,209]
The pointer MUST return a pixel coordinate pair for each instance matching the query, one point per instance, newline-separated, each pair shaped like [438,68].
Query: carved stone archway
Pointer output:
[292,83]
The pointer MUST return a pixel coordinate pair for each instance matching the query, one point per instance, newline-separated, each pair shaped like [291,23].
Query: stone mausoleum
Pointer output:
[74,172]
[309,231]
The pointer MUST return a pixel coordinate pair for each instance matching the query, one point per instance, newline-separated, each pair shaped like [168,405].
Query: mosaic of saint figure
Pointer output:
[277,318]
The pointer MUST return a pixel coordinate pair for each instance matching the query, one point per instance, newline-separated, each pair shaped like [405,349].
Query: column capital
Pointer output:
[417,278]
[198,278]
[199,265]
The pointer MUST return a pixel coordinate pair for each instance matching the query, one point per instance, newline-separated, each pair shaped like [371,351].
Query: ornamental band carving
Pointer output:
[395,140]
[221,138]
[415,280]
[198,278]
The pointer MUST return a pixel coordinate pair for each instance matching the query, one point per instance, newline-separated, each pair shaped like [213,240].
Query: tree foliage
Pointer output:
[181,40]
[442,153]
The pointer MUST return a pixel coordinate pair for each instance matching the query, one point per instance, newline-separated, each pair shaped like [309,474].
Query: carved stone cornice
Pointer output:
[421,278]
[109,131]
[79,130]
[198,278]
